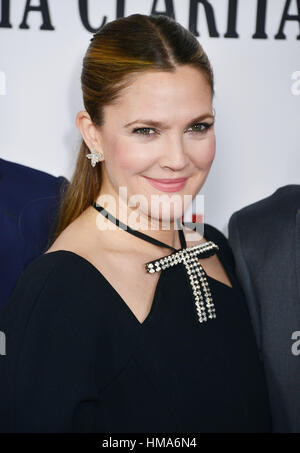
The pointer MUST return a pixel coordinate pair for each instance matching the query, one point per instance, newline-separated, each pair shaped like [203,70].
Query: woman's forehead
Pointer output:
[162,93]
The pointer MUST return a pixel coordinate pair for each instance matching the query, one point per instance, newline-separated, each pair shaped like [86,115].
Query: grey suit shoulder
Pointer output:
[265,240]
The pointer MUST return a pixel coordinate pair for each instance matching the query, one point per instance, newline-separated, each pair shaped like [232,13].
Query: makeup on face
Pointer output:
[159,138]
[168,185]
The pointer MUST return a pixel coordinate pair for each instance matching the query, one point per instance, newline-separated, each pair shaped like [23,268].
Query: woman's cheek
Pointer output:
[211,155]
[205,157]
[135,160]
[122,157]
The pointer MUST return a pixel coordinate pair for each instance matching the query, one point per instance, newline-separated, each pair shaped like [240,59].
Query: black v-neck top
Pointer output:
[78,360]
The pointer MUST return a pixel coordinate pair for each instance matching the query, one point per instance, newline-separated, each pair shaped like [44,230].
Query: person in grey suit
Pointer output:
[265,240]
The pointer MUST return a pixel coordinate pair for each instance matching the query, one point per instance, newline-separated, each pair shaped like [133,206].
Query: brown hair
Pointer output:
[117,52]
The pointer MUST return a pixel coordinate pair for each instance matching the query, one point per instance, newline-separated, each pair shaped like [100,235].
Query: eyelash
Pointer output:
[207,126]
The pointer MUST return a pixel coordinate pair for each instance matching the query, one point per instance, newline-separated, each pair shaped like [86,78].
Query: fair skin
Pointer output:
[174,149]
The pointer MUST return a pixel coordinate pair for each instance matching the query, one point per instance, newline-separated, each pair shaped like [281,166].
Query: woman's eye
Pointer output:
[143,129]
[198,128]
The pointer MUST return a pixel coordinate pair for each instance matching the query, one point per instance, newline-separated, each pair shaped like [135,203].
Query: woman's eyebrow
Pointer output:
[165,126]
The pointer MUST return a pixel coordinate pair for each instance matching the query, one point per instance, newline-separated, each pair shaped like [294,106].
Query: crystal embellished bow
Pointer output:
[188,256]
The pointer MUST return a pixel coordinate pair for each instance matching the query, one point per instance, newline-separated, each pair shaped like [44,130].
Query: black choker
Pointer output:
[186,255]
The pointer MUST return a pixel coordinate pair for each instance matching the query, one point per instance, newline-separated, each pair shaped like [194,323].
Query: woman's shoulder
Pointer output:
[56,267]
[208,232]
[30,282]
[211,233]
[55,281]
[59,265]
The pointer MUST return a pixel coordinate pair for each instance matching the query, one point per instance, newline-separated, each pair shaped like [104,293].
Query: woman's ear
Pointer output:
[88,130]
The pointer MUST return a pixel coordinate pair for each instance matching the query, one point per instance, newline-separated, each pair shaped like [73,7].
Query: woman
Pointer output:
[95,343]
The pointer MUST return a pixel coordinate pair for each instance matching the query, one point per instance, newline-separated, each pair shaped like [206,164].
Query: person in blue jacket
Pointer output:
[29,201]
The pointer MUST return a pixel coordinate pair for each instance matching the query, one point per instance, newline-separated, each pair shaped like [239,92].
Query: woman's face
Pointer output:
[178,145]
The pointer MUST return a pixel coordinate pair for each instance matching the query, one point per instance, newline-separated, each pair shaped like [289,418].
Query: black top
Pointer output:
[77,359]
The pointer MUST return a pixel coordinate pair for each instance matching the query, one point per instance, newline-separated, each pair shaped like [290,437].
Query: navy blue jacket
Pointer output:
[29,201]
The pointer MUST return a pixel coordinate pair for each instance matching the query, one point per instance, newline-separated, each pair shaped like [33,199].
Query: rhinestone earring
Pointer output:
[95,157]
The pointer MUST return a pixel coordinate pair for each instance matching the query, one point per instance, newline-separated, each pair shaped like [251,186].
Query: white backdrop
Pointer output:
[257,85]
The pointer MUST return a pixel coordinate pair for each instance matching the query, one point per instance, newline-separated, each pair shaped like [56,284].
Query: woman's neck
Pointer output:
[106,230]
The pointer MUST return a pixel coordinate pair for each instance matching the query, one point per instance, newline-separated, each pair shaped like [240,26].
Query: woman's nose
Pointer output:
[174,156]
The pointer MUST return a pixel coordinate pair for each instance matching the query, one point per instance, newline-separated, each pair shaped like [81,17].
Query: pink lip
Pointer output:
[168,185]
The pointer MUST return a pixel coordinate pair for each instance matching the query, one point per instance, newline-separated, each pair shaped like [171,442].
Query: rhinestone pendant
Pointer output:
[197,277]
